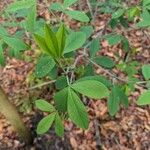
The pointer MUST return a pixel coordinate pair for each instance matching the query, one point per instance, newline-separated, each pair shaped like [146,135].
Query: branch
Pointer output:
[42,84]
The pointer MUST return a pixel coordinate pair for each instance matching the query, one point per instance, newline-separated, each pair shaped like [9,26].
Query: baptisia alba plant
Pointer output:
[67,100]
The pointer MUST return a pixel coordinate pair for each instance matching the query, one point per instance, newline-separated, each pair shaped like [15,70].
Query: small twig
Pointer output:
[90,8]
[42,84]
[97,135]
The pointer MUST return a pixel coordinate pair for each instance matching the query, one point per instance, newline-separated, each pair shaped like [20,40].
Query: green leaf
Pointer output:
[59,127]
[145,19]
[2,58]
[56,6]
[18,5]
[44,105]
[146,71]
[123,98]
[51,41]
[61,38]
[76,110]
[45,123]
[3,31]
[146,2]
[60,99]
[99,78]
[73,41]
[94,47]
[61,82]
[114,101]
[104,61]
[118,13]
[31,19]
[77,15]
[44,66]
[42,44]
[125,44]
[144,99]
[15,43]
[114,39]
[88,30]
[68,3]
[91,88]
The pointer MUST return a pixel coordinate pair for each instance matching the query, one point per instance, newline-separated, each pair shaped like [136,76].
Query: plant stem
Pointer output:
[42,84]
[11,114]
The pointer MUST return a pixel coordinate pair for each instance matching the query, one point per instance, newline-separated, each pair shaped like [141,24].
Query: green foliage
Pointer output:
[73,41]
[116,98]
[74,71]
[76,110]
[144,99]
[74,14]
[146,71]
[44,65]
[104,61]
[91,88]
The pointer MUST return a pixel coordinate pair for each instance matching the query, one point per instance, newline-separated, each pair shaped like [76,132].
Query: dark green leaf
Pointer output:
[76,110]
[144,99]
[105,62]
[114,101]
[88,30]
[68,3]
[73,41]
[45,123]
[31,18]
[118,13]
[61,100]
[91,88]
[77,15]
[44,105]
[94,47]
[61,82]
[56,6]
[146,71]
[44,66]
[59,127]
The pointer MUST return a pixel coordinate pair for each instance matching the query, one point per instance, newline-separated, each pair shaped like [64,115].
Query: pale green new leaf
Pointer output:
[61,38]
[144,99]
[44,105]
[74,41]
[42,44]
[77,15]
[91,88]
[45,123]
[76,110]
[51,41]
